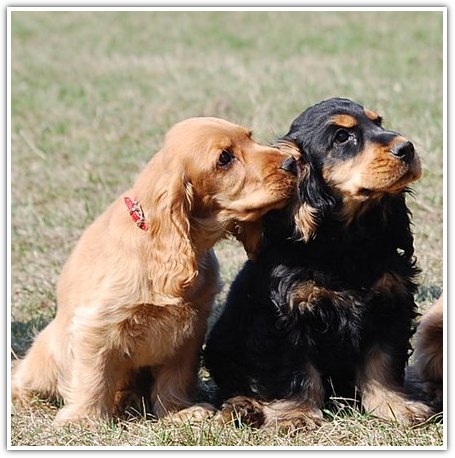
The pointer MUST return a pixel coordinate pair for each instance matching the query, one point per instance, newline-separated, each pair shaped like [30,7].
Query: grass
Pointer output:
[33,428]
[93,95]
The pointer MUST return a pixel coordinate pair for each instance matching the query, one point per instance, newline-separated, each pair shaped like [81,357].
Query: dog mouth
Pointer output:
[405,180]
[412,174]
[282,185]
[391,182]
[255,207]
[254,214]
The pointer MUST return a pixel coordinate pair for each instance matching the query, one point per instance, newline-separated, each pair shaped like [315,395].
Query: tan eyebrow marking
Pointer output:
[344,120]
[372,115]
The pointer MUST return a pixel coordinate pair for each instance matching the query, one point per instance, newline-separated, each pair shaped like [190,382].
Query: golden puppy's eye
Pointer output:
[342,136]
[226,157]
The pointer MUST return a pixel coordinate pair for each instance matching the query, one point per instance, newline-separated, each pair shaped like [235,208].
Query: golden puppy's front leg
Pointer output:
[175,382]
[174,387]
[173,395]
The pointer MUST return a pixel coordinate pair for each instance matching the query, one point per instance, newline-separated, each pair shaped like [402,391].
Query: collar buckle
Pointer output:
[137,213]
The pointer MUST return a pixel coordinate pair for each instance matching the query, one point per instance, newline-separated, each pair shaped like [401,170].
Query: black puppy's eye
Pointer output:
[226,157]
[342,136]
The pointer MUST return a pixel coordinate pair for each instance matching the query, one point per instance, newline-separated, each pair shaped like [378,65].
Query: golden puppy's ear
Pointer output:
[250,235]
[173,264]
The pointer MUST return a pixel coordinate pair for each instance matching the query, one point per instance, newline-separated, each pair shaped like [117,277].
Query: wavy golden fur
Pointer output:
[130,298]
[428,354]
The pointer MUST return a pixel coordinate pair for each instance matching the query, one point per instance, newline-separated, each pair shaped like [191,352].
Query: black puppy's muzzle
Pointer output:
[289,165]
[404,151]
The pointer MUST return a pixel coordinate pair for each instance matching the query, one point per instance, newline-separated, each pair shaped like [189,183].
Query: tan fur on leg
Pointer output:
[384,400]
[287,415]
[428,352]
[429,344]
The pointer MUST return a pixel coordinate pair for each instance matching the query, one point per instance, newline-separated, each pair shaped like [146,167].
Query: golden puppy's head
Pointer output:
[231,176]
[210,179]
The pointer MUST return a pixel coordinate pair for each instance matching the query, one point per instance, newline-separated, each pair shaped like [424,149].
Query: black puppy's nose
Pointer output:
[289,165]
[404,151]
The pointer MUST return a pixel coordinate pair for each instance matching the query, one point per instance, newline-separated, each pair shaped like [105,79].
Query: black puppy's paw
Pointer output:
[242,410]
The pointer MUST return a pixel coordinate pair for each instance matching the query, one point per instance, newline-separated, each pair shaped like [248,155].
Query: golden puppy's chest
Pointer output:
[151,334]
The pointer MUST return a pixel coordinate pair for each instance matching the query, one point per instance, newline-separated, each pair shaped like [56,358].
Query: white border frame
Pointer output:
[185,5]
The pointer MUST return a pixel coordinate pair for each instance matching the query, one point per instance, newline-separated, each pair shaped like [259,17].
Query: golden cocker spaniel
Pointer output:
[138,287]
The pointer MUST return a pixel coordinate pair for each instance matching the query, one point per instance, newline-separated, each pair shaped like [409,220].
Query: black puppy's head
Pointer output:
[349,161]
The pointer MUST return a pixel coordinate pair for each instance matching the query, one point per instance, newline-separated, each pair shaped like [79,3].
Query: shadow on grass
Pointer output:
[427,293]
[23,333]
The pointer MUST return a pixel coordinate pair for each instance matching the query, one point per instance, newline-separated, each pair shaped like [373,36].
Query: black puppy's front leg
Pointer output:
[382,395]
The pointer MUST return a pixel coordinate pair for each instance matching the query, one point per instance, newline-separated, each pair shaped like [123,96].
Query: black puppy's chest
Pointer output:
[326,305]
[356,257]
[332,335]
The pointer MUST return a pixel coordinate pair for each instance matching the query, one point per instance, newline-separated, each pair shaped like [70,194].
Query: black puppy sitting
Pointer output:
[331,310]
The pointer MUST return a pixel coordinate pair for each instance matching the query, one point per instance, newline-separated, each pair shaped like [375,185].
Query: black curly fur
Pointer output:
[260,345]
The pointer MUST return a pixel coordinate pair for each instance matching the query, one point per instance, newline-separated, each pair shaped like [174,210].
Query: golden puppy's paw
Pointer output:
[194,414]
[78,415]
[21,398]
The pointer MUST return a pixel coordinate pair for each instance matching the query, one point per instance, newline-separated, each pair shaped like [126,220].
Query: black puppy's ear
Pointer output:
[314,199]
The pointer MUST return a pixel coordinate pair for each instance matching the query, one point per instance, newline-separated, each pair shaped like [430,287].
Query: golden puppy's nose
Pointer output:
[289,165]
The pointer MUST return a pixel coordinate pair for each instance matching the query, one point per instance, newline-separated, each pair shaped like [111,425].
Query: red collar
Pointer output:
[136,213]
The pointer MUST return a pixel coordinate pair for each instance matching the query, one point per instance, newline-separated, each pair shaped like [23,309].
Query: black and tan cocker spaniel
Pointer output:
[328,311]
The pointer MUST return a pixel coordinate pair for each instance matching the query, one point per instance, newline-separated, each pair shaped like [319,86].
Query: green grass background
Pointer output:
[93,94]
